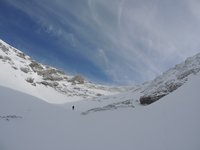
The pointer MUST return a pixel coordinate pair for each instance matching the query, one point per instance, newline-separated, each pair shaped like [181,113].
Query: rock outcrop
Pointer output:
[170,80]
[77,80]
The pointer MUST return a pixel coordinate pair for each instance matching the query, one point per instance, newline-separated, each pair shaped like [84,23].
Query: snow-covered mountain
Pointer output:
[20,72]
[170,80]
[172,123]
[145,93]
[29,120]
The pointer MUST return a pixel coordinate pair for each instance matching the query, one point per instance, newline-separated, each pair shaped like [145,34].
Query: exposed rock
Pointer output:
[55,84]
[6,58]
[187,73]
[4,48]
[52,77]
[51,74]
[159,92]
[98,94]
[47,72]
[30,80]
[14,67]
[22,55]
[65,78]
[25,70]
[9,117]
[113,106]
[44,83]
[77,80]
[170,80]
[172,86]
[51,84]
[146,100]
[36,67]
[60,72]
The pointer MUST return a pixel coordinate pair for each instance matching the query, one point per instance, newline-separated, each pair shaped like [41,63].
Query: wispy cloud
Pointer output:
[130,40]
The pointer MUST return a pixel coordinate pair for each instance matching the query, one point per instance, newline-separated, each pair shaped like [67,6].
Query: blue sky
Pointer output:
[107,41]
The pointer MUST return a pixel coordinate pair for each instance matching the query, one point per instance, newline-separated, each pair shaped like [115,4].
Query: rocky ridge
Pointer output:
[38,74]
[150,91]
[170,80]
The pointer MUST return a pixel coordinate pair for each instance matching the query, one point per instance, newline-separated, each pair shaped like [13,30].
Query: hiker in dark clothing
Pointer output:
[73,107]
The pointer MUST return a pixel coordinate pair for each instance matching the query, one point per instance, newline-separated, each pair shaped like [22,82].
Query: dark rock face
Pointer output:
[161,91]
[187,73]
[172,86]
[146,100]
[170,80]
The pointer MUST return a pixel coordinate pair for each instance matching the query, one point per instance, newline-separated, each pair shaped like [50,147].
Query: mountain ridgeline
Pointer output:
[54,86]
[33,76]
[170,80]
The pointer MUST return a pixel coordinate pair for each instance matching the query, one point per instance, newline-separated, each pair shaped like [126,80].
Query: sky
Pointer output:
[120,42]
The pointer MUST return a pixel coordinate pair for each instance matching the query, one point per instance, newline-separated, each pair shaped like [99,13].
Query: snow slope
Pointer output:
[145,93]
[20,72]
[170,80]
[172,123]
[28,122]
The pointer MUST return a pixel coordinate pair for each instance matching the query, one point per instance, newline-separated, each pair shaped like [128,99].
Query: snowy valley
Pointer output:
[36,101]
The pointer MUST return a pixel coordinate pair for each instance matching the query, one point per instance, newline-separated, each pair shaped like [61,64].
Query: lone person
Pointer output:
[73,107]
